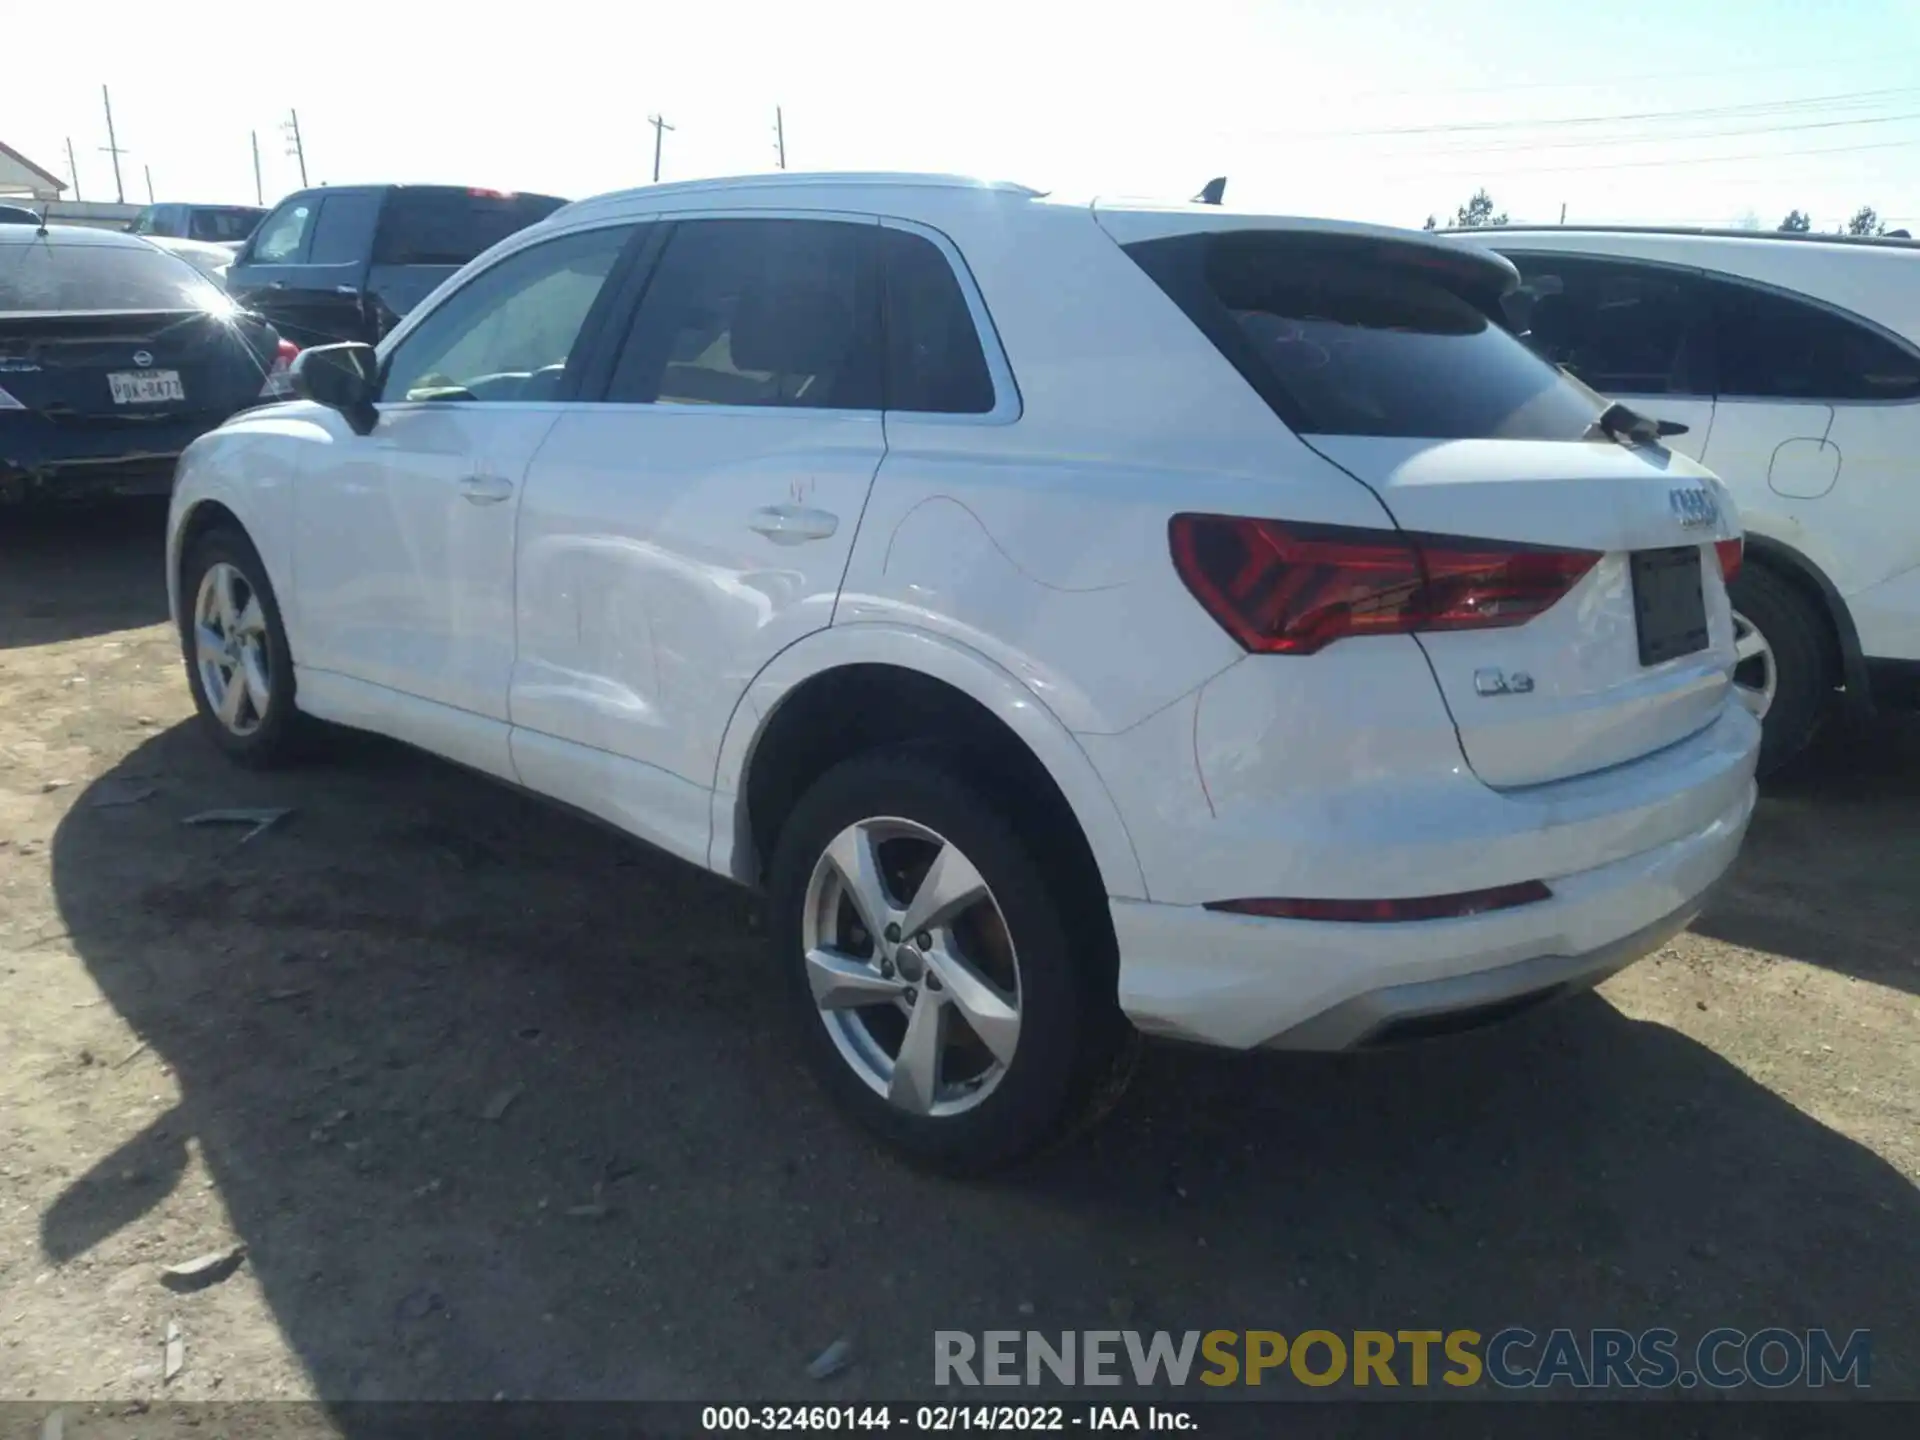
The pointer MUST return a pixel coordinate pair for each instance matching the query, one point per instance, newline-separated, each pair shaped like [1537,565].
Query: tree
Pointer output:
[1866,221]
[1796,223]
[1431,224]
[1478,212]
[1748,221]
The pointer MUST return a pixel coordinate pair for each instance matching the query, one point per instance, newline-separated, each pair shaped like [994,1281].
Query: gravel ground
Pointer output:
[498,1102]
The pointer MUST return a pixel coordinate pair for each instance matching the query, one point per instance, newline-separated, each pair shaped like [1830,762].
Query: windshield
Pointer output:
[46,275]
[1343,342]
[223,226]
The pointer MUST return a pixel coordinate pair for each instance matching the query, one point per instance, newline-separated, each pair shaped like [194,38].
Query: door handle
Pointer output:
[486,489]
[345,290]
[793,524]
[276,284]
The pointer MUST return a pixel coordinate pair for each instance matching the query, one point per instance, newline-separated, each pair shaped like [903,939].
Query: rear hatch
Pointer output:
[1570,596]
[99,333]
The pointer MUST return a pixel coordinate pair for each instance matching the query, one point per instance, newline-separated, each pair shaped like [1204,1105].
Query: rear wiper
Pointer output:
[1623,422]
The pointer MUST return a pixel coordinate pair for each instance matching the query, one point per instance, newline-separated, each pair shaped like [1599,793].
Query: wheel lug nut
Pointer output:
[912,994]
[886,968]
[893,934]
[923,940]
[933,981]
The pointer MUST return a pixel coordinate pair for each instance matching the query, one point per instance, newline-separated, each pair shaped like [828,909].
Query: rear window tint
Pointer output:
[1342,340]
[224,226]
[48,275]
[934,361]
[450,227]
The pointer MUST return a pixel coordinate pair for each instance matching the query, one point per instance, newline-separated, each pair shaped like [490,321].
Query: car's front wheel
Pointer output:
[944,993]
[238,665]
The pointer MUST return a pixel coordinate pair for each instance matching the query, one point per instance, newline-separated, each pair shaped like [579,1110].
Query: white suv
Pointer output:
[1794,361]
[1070,614]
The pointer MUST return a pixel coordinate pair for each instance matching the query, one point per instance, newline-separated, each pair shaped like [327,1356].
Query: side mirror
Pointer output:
[341,377]
[1664,428]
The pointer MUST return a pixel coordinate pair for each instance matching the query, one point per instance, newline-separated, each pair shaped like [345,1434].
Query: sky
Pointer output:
[1675,111]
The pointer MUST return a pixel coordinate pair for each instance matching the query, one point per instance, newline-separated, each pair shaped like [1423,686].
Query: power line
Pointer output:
[1614,82]
[1748,110]
[1656,139]
[1670,161]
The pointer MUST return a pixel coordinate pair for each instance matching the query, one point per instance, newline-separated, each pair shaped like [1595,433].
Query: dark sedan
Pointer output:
[114,357]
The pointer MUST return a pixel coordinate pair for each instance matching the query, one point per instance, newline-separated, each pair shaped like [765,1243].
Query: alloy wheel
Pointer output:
[230,649]
[911,966]
[1756,678]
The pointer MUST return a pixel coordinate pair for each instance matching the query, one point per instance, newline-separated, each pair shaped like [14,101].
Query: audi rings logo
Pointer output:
[144,358]
[1693,506]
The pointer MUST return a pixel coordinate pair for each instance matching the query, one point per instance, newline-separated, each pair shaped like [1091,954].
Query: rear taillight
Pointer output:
[279,384]
[1285,589]
[1387,912]
[1730,552]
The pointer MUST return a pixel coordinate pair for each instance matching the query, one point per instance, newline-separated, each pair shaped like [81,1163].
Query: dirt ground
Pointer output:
[500,1103]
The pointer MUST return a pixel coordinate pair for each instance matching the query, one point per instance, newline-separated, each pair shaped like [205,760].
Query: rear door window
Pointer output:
[1621,327]
[450,227]
[343,233]
[758,312]
[282,239]
[1343,337]
[1779,347]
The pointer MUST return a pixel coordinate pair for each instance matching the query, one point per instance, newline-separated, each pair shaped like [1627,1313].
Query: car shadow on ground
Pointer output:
[1831,870]
[70,571]
[503,1103]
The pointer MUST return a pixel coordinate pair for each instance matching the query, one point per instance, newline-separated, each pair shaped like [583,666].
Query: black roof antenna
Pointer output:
[45,210]
[1213,192]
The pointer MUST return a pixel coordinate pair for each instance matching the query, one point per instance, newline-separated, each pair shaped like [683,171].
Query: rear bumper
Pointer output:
[41,460]
[1241,981]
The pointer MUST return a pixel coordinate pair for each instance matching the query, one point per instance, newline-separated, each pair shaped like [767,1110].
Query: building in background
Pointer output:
[20,178]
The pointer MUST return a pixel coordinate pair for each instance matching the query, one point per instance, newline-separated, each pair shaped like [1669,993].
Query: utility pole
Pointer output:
[73,168]
[1563,212]
[660,127]
[780,137]
[294,146]
[112,147]
[259,195]
[149,170]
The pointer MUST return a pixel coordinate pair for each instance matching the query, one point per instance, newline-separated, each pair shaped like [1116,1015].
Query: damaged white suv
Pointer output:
[1079,619]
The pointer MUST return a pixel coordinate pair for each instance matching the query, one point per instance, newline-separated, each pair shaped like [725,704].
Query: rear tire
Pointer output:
[1797,644]
[1042,1049]
[239,666]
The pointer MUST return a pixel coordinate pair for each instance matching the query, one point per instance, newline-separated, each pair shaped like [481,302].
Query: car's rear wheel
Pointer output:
[943,994]
[238,665]
[1784,669]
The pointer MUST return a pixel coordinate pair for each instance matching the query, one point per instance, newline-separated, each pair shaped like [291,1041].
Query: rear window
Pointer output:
[450,227]
[222,226]
[1342,338]
[46,275]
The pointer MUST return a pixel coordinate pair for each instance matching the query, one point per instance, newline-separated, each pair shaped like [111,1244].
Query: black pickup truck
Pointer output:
[345,262]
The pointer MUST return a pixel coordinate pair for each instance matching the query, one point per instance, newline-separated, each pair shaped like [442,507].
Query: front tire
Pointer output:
[1785,668]
[239,667]
[942,994]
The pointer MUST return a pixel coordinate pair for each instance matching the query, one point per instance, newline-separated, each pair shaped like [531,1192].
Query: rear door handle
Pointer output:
[486,489]
[794,524]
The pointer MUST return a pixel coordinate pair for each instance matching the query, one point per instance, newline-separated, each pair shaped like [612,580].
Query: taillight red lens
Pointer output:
[1383,912]
[1281,588]
[277,385]
[1730,553]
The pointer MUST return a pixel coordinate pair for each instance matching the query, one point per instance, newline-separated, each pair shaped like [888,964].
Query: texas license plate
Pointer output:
[1670,607]
[145,387]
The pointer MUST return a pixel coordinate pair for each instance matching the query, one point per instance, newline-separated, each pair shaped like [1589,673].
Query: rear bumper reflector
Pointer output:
[1383,912]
